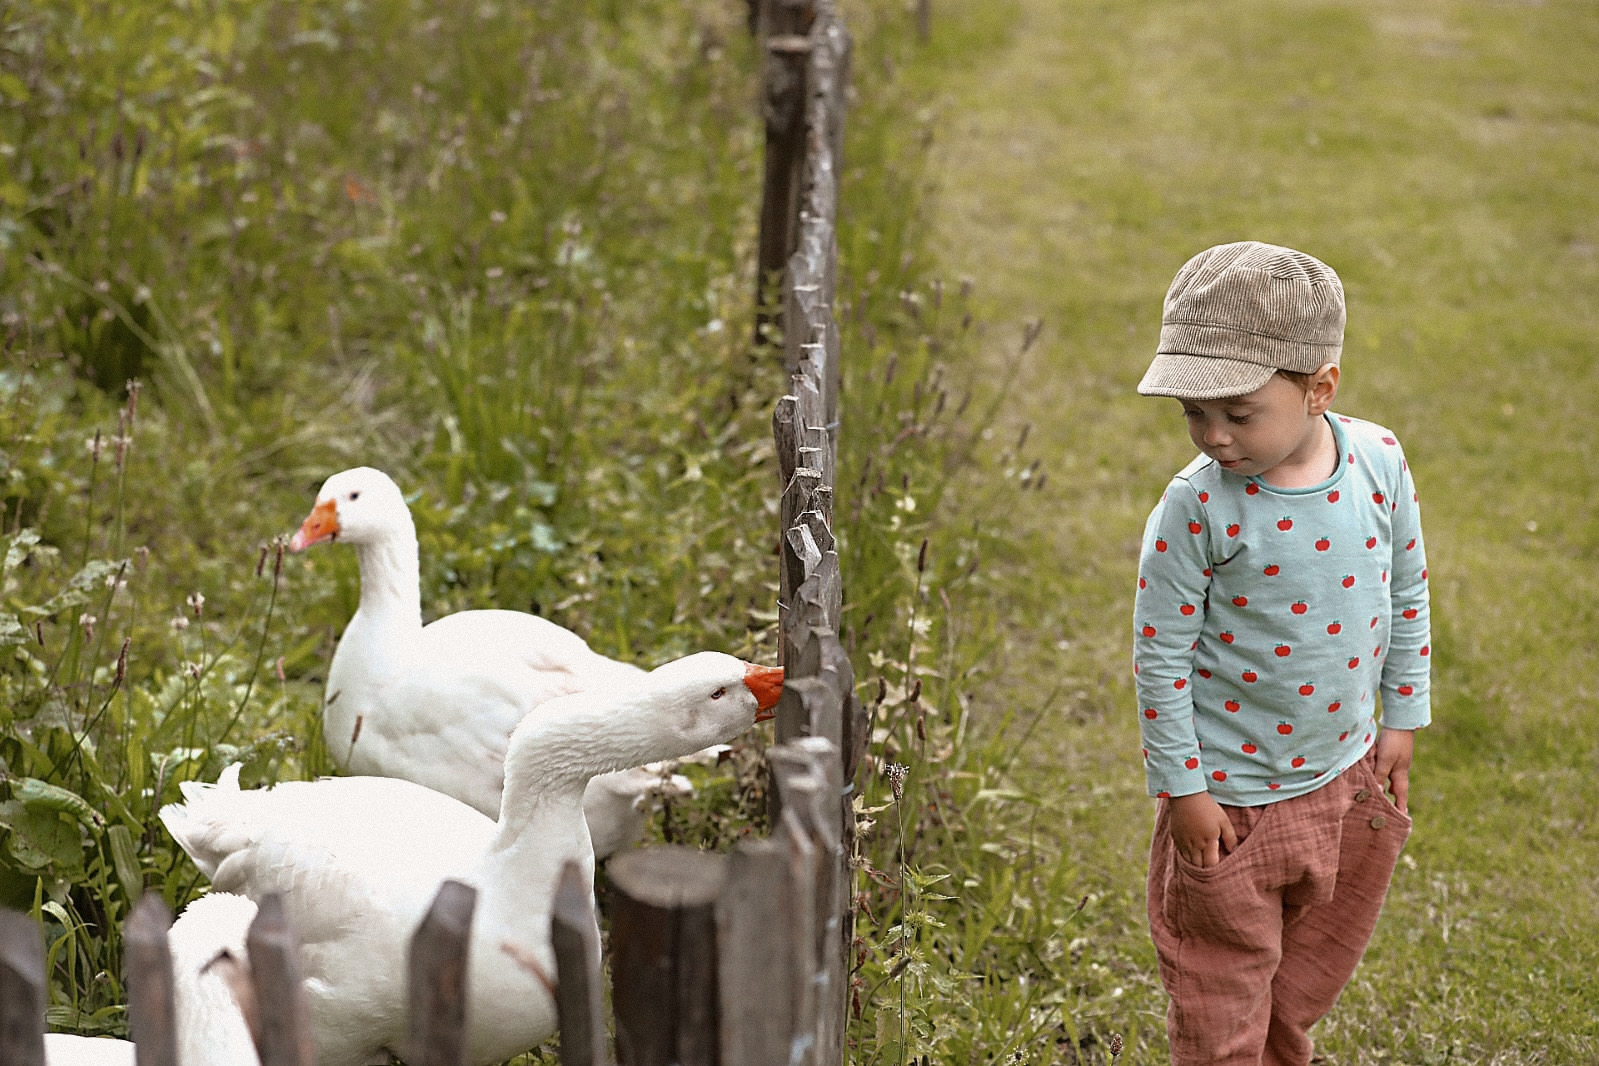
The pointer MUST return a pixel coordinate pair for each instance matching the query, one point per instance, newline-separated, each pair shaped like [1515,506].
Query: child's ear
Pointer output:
[1323,388]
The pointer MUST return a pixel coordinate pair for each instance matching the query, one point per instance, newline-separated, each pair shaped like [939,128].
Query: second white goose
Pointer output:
[359,859]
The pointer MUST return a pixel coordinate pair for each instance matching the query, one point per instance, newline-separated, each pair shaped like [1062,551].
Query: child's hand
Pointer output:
[1394,749]
[1200,829]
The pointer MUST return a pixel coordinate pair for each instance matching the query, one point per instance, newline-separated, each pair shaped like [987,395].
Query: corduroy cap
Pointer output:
[1237,313]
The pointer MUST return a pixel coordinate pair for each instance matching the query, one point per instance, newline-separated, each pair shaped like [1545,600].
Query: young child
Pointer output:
[1281,588]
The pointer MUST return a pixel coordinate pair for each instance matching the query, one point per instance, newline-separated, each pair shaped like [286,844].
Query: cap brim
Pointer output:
[1202,377]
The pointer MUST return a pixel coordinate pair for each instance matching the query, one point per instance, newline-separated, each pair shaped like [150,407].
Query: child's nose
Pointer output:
[1216,434]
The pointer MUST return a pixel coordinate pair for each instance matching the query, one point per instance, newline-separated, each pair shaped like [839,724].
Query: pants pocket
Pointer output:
[1219,903]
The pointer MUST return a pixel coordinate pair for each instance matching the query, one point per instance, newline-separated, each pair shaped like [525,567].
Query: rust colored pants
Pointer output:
[1254,950]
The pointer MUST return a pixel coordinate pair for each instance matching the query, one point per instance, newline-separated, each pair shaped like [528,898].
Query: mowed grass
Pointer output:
[1440,156]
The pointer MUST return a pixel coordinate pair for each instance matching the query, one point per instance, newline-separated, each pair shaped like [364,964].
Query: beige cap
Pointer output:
[1237,313]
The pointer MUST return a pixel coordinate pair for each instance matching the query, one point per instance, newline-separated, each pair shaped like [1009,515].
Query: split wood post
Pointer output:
[766,965]
[777,17]
[783,109]
[284,1036]
[21,990]
[152,1003]
[806,774]
[436,975]
[579,996]
[663,955]
[781,26]
[785,435]
[803,492]
[818,652]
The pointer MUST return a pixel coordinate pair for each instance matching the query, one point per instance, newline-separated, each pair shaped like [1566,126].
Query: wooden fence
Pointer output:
[716,960]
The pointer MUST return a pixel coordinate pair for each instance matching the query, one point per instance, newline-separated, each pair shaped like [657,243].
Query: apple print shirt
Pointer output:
[1268,620]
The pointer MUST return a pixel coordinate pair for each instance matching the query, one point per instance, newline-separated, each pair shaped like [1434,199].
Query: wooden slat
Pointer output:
[436,979]
[785,435]
[663,955]
[753,971]
[284,1037]
[783,81]
[22,990]
[824,811]
[579,995]
[152,1003]
[800,915]
[784,16]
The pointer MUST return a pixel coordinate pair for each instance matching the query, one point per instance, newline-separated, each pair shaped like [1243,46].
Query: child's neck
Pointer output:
[1313,462]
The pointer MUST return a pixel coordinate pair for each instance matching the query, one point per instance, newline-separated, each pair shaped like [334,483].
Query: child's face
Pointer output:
[1278,425]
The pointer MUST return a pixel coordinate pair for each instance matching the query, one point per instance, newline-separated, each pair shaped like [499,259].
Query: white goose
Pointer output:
[435,704]
[212,1030]
[359,859]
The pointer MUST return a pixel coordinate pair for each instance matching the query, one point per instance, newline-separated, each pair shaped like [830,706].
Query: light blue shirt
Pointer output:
[1268,620]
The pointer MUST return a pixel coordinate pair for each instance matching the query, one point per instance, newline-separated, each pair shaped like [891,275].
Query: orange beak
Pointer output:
[320,525]
[767,684]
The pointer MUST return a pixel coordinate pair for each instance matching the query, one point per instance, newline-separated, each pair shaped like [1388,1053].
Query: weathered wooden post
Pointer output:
[147,960]
[807,774]
[436,973]
[783,108]
[579,997]
[765,923]
[21,991]
[663,956]
[284,1035]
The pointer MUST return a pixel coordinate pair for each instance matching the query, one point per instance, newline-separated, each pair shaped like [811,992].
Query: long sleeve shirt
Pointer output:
[1268,620]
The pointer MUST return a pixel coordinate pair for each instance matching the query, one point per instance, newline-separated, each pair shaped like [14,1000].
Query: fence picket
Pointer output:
[826,814]
[284,1035]
[579,997]
[436,973]
[663,955]
[22,991]
[152,1004]
[784,111]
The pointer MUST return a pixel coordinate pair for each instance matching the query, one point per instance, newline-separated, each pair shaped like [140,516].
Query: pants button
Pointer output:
[1378,822]
[1363,795]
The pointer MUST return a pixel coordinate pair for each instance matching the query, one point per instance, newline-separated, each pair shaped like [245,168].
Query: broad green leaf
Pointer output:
[42,796]
[41,839]
[125,861]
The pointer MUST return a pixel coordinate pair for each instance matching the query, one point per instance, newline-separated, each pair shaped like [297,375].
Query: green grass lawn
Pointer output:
[1441,157]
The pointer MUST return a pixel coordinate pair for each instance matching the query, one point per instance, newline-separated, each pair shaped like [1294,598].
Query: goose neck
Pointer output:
[390,578]
[554,753]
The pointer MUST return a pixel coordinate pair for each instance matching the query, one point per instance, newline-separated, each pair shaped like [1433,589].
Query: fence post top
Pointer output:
[789,44]
[669,875]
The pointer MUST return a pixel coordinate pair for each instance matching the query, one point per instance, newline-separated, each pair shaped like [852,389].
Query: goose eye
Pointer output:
[356,495]
[719,693]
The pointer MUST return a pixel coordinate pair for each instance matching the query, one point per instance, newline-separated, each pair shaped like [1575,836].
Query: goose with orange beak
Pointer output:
[358,860]
[436,703]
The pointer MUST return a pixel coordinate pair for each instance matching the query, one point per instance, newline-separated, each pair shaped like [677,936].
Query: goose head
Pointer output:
[358,506]
[708,698]
[674,710]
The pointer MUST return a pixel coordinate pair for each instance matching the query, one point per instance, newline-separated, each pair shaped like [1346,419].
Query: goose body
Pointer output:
[436,704]
[359,859]
[211,1027]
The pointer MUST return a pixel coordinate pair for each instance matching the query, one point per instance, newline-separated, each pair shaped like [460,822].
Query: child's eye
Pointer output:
[1238,420]
[1192,414]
